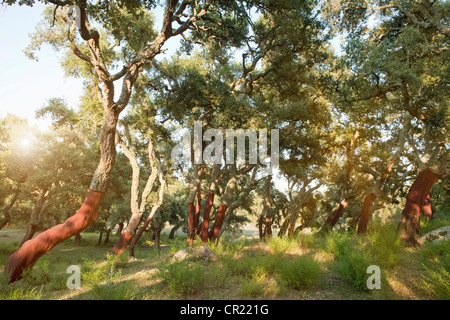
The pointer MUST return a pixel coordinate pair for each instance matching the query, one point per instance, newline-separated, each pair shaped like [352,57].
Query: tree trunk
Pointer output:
[78,238]
[108,232]
[174,230]
[268,228]
[151,215]
[206,216]
[283,228]
[138,236]
[119,229]
[100,238]
[193,195]
[333,217]
[415,200]
[36,216]
[121,244]
[7,207]
[157,226]
[33,249]
[260,227]
[365,213]
[136,210]
[214,232]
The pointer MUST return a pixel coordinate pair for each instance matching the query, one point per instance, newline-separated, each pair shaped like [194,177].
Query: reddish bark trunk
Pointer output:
[415,200]
[138,236]
[206,216]
[334,216]
[365,213]
[33,249]
[121,244]
[215,230]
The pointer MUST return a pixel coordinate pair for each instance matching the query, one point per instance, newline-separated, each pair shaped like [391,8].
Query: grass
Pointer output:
[330,266]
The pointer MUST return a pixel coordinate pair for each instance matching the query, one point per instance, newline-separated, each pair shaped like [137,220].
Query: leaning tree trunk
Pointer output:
[151,215]
[32,250]
[365,213]
[415,200]
[136,210]
[283,228]
[174,230]
[333,217]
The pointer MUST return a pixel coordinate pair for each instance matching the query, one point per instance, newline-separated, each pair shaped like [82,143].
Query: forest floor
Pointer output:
[332,266]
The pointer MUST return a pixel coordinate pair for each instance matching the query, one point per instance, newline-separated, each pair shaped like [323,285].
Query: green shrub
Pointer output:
[385,245]
[260,283]
[300,273]
[281,245]
[183,278]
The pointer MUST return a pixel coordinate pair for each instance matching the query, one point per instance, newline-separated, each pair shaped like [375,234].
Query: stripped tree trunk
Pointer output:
[365,212]
[228,210]
[416,198]
[136,209]
[333,217]
[151,215]
[195,189]
[209,203]
[33,249]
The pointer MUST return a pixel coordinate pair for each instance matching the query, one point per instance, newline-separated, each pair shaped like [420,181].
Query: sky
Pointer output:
[26,85]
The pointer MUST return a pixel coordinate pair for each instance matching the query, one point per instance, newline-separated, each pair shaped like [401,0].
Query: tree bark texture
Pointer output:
[365,212]
[415,200]
[32,250]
